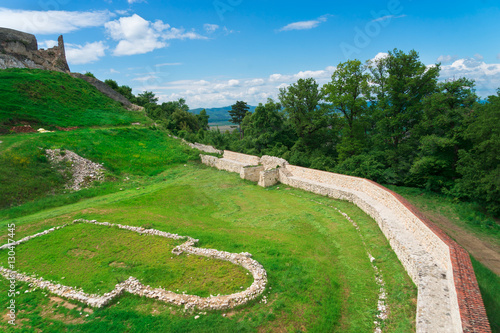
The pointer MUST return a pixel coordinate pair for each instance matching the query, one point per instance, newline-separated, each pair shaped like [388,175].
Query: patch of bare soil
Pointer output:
[485,252]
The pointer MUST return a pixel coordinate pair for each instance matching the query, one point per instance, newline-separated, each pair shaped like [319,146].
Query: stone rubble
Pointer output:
[134,286]
[83,171]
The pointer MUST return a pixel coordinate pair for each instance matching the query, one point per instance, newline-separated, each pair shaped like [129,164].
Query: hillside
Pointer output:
[49,99]
[218,115]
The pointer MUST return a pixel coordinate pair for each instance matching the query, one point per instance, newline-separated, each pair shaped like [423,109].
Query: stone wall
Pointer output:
[108,91]
[449,299]
[20,50]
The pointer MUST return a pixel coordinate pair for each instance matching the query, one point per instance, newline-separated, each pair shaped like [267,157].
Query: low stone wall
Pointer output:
[134,286]
[251,173]
[241,158]
[449,299]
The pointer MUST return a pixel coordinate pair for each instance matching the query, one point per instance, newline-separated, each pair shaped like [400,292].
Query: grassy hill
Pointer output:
[320,276]
[49,99]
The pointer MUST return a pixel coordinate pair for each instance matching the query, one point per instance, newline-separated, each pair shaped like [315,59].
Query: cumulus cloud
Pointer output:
[52,21]
[88,53]
[305,25]
[210,28]
[486,76]
[136,35]
[203,93]
[446,58]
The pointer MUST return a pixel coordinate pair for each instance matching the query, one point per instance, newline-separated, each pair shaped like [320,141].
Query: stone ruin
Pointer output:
[20,50]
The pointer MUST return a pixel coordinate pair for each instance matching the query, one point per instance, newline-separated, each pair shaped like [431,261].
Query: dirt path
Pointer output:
[482,250]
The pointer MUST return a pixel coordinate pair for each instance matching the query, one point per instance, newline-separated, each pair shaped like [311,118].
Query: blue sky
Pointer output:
[215,52]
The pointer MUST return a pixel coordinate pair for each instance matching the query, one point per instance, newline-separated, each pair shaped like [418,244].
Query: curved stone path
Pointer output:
[133,286]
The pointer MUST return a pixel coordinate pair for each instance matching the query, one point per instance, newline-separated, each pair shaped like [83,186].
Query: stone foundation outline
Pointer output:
[133,286]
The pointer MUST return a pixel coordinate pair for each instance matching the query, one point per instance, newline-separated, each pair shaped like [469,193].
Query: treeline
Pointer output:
[388,120]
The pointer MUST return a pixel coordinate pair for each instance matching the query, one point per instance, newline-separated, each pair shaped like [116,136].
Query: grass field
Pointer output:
[50,99]
[320,277]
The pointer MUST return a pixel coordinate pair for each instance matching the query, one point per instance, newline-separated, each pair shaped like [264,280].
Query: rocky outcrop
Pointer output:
[20,50]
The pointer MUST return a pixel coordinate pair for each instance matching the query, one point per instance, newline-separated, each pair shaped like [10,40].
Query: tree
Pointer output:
[203,120]
[441,133]
[301,102]
[146,98]
[401,83]
[266,127]
[479,165]
[347,94]
[238,112]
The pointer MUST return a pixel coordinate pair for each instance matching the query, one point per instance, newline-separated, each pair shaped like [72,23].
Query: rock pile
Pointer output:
[83,171]
[134,286]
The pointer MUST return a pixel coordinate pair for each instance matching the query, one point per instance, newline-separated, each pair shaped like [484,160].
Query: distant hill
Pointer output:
[218,114]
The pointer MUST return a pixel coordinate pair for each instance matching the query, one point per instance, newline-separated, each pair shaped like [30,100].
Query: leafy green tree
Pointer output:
[301,103]
[146,98]
[441,133]
[479,165]
[401,83]
[266,127]
[347,94]
[203,120]
[238,112]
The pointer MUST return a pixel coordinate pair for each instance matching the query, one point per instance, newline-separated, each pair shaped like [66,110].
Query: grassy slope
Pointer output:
[49,99]
[27,176]
[320,277]
[467,217]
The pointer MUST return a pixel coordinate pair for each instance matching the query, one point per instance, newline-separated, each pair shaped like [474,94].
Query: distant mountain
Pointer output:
[218,114]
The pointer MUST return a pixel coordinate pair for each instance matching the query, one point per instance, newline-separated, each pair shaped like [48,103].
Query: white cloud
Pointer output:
[52,21]
[478,56]
[47,44]
[135,1]
[169,64]
[136,35]
[305,25]
[379,56]
[90,52]
[387,17]
[216,93]
[210,28]
[113,71]
[446,58]
[486,76]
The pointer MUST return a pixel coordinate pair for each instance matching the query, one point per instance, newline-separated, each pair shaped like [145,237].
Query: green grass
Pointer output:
[96,258]
[320,277]
[26,174]
[50,99]
[489,284]
[465,214]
